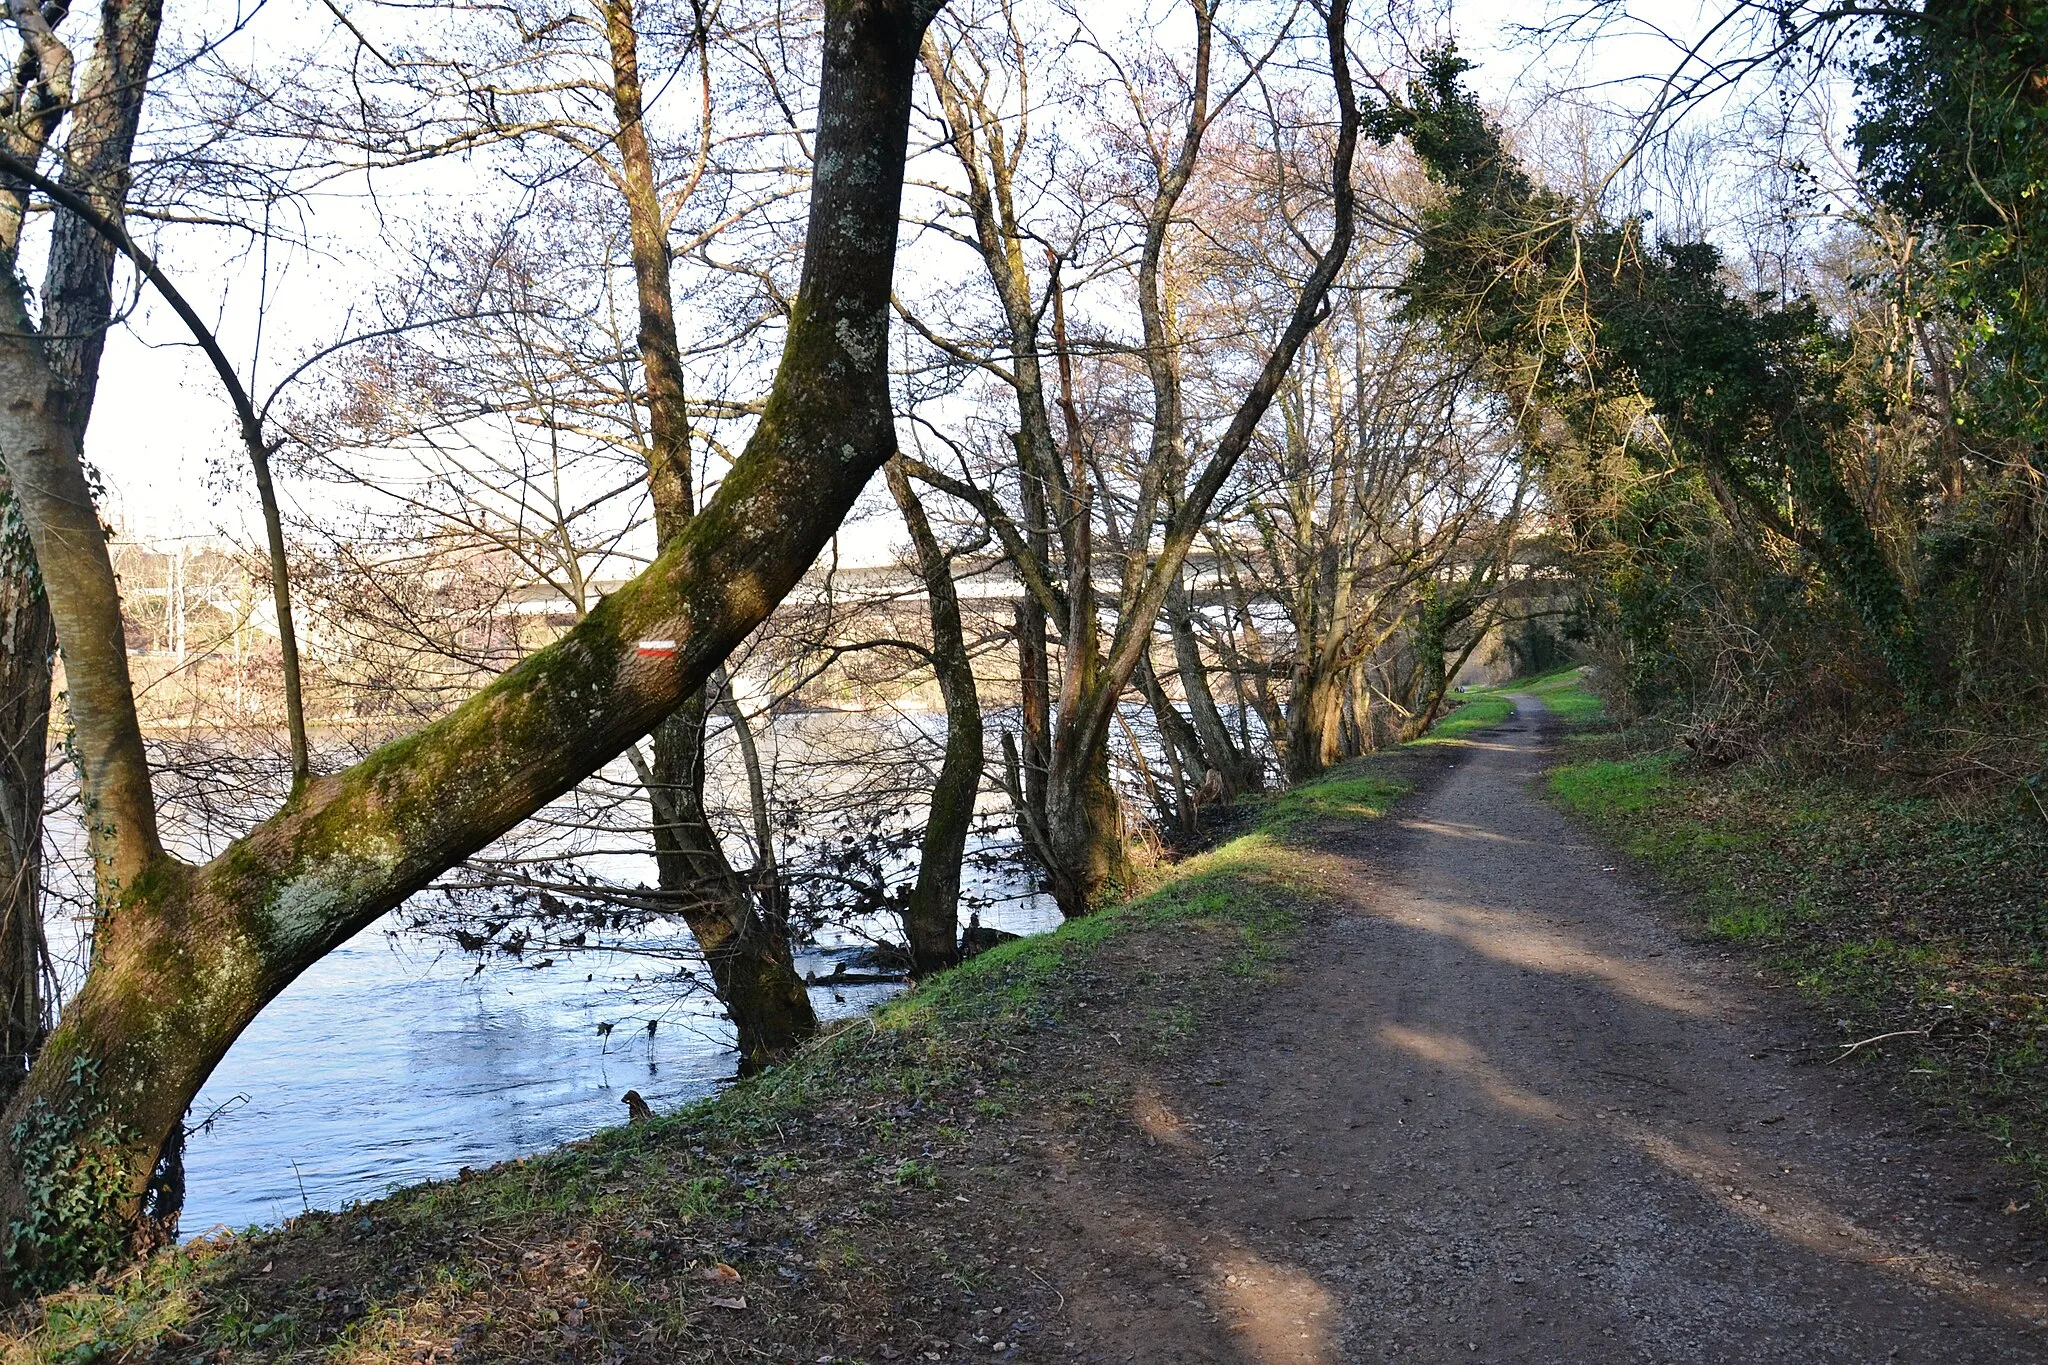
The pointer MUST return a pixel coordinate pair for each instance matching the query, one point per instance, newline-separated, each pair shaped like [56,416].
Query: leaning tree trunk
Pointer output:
[931,920]
[1240,774]
[186,956]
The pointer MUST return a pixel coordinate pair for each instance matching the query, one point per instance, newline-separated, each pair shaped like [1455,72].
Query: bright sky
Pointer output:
[161,422]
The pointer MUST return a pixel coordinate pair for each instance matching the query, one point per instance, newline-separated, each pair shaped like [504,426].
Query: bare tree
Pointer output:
[1077,830]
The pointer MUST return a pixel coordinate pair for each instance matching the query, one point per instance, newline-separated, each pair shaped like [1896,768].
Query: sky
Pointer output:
[161,425]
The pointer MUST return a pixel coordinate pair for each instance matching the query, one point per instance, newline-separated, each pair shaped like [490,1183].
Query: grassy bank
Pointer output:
[1917,927]
[847,1205]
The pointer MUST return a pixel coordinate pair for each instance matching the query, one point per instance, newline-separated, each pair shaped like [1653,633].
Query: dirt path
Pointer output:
[1499,1110]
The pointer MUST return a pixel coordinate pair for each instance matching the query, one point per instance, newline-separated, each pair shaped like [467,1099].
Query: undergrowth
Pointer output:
[1895,913]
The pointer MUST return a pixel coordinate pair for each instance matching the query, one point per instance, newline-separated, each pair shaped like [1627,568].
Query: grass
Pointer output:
[821,1192]
[1562,690]
[1891,911]
[1475,713]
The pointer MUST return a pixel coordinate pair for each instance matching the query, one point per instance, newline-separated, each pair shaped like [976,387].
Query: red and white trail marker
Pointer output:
[655,649]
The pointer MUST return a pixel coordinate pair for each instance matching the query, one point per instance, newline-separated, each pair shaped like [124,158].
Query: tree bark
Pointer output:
[931,919]
[77,307]
[1240,775]
[742,930]
[28,641]
[187,955]
[1034,698]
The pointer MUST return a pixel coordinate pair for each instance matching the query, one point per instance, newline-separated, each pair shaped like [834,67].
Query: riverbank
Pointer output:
[1916,927]
[849,1205]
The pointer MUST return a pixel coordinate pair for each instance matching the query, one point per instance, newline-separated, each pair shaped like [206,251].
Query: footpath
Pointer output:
[1500,1111]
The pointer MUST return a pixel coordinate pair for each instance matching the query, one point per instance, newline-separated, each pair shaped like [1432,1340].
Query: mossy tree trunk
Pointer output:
[186,956]
[105,110]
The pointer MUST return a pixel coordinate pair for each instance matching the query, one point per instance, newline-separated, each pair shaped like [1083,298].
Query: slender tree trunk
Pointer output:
[1035,701]
[27,643]
[1186,760]
[931,920]
[766,875]
[1239,774]
[742,930]
[187,956]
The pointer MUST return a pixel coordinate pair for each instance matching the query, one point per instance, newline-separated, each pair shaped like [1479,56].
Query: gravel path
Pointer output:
[1501,1111]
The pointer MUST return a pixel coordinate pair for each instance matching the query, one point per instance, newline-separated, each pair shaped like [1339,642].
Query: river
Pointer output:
[396,1059]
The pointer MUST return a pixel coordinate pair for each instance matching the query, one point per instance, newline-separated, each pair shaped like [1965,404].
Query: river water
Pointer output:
[392,1061]
[396,1059]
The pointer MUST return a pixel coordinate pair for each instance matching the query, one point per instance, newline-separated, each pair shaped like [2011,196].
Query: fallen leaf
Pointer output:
[736,1301]
[720,1274]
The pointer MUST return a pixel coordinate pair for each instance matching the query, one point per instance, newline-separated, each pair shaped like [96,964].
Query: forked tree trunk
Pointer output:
[1087,853]
[1310,711]
[931,919]
[187,956]
[743,934]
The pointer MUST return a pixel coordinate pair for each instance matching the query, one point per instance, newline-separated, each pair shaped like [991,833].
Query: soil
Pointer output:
[1497,1108]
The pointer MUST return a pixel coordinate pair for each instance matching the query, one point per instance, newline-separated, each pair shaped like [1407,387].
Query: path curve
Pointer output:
[1499,1110]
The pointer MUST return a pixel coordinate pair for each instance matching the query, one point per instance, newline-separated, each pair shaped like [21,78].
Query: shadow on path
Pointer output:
[1499,1110]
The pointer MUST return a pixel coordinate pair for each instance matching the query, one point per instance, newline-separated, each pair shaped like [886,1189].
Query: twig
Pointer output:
[1848,1048]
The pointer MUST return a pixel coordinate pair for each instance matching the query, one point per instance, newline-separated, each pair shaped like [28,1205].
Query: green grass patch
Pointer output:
[1478,711]
[1345,797]
[1562,690]
[1890,910]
